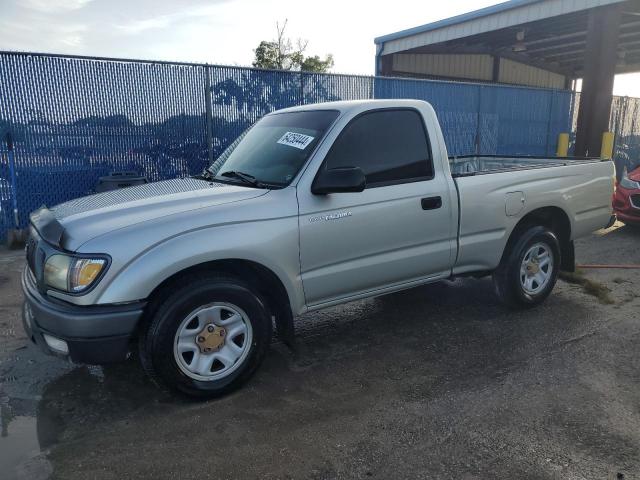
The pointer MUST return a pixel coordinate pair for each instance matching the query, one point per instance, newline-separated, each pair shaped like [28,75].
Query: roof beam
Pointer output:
[624,39]
[630,50]
[556,47]
[556,38]
[582,34]
[570,56]
[568,53]
[629,67]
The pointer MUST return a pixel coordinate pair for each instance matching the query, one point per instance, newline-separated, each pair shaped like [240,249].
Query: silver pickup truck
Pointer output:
[313,206]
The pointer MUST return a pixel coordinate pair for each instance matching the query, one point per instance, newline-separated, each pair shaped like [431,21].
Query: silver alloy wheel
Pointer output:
[536,269]
[213,341]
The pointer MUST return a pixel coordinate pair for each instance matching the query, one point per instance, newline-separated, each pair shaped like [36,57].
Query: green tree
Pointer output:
[281,54]
[316,64]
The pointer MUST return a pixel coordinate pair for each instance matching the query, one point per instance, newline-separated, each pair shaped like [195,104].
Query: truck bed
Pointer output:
[480,164]
[495,193]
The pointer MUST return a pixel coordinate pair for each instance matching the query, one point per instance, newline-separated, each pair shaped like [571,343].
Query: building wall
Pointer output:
[471,67]
[476,67]
[520,74]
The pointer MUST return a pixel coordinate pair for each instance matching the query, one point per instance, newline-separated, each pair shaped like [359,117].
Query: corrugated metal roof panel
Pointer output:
[503,15]
[455,20]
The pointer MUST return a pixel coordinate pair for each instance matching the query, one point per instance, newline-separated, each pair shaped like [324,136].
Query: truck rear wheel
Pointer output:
[529,268]
[207,337]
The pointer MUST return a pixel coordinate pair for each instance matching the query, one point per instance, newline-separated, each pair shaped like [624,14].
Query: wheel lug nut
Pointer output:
[200,339]
[210,328]
[207,349]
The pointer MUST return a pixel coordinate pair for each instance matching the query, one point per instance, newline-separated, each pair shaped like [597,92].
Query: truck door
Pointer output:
[396,231]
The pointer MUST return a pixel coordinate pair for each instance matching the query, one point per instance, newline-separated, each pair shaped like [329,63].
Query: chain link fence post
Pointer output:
[208,112]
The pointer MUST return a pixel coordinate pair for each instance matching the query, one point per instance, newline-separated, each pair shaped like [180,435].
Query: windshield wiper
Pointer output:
[243,177]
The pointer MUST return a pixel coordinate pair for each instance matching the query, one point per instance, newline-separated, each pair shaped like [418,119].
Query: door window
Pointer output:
[390,146]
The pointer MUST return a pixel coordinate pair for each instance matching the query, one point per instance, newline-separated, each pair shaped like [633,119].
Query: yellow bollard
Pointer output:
[607,145]
[563,145]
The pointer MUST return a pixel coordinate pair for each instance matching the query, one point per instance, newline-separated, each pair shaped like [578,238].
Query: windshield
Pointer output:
[274,149]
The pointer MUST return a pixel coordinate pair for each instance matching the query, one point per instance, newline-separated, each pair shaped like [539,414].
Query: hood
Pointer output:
[634,175]
[88,217]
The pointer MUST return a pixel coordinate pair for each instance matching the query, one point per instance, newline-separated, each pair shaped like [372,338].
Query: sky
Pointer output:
[222,31]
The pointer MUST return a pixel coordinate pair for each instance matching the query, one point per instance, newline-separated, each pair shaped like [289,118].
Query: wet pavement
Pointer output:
[437,382]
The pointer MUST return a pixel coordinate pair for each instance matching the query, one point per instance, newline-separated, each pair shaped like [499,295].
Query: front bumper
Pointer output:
[626,209]
[625,218]
[95,334]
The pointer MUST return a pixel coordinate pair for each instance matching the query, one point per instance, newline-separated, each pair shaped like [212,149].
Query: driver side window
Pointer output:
[390,146]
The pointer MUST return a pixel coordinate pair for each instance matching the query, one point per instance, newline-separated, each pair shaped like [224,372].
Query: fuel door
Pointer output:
[514,203]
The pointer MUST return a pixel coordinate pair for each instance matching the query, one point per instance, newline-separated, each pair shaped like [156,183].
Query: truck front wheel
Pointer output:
[207,336]
[529,268]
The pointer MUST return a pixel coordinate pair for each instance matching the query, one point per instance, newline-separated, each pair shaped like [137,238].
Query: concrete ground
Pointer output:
[437,382]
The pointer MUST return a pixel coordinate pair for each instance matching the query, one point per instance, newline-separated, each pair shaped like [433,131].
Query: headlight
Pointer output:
[71,274]
[629,184]
[56,272]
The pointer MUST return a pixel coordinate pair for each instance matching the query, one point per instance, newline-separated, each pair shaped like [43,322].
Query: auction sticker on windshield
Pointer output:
[296,140]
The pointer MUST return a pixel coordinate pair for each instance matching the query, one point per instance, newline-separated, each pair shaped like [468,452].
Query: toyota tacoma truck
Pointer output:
[312,206]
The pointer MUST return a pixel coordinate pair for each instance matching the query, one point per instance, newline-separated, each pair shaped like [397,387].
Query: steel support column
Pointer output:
[597,84]
[495,74]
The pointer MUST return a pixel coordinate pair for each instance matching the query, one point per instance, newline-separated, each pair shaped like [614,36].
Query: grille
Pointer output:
[635,201]
[31,247]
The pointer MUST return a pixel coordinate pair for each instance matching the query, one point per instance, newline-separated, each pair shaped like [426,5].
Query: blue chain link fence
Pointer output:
[624,122]
[74,119]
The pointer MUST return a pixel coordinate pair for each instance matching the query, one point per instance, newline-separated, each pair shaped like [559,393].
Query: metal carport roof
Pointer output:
[553,34]
[565,39]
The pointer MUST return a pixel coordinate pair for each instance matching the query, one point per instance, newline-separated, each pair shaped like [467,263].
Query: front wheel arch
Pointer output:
[162,334]
[264,280]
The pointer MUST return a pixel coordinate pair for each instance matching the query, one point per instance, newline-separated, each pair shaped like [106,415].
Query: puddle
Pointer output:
[27,430]
[45,401]
[29,426]
[37,412]
[21,454]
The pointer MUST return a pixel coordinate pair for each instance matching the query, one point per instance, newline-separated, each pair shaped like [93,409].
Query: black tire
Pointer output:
[172,305]
[506,278]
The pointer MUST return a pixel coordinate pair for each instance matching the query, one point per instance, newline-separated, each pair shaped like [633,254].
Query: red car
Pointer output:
[626,199]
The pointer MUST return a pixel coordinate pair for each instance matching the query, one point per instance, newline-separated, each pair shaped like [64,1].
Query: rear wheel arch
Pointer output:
[256,275]
[556,220]
[529,268]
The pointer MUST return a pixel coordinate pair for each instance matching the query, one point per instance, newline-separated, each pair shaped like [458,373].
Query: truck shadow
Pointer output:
[411,343]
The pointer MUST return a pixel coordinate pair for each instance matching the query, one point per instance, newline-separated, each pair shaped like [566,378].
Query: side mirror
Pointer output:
[339,180]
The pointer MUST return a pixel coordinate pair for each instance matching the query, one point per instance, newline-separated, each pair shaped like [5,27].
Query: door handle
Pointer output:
[431,203]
